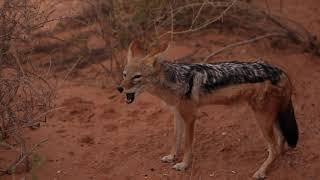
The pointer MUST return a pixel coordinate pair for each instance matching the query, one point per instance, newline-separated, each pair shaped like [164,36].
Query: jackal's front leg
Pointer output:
[188,114]
[176,142]
[187,157]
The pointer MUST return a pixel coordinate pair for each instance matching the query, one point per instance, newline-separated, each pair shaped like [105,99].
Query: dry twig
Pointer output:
[248,41]
[204,25]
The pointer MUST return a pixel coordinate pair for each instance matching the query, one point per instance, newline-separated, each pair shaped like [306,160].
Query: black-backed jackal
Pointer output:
[186,87]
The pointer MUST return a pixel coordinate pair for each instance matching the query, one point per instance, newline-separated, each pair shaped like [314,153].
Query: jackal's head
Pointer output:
[139,70]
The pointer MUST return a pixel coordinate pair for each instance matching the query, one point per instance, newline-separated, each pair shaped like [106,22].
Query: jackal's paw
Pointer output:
[168,159]
[180,166]
[259,175]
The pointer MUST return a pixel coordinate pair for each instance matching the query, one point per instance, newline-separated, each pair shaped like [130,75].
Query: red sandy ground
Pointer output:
[96,135]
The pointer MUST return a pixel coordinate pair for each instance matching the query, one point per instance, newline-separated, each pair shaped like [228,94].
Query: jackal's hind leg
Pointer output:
[280,138]
[266,123]
[178,127]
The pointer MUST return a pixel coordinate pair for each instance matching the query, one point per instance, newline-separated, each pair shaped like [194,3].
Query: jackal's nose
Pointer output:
[120,89]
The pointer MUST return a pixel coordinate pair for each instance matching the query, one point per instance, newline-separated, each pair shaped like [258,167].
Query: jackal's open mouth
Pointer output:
[130,97]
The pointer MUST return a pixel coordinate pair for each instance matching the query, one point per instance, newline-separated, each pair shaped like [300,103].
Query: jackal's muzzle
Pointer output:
[130,97]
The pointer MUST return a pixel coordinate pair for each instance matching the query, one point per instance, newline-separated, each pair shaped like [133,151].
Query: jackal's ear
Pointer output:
[155,55]
[153,62]
[159,49]
[135,50]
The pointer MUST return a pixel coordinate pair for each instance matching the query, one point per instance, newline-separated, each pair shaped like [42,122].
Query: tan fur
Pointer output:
[265,99]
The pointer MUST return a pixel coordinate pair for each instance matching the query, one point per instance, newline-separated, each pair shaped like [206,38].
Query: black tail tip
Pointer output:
[288,126]
[292,140]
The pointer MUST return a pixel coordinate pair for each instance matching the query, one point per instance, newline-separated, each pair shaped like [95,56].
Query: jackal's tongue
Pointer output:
[130,97]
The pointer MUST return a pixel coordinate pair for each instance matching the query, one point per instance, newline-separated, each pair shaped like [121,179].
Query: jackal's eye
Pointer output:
[136,79]
[124,74]
[137,76]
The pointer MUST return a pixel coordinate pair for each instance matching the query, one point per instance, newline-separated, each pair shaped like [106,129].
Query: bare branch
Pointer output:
[243,43]
[204,25]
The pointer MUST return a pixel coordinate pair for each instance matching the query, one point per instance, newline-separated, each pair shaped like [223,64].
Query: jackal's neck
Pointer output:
[171,79]
[162,84]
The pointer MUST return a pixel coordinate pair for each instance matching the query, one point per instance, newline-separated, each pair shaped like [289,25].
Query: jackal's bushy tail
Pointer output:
[288,125]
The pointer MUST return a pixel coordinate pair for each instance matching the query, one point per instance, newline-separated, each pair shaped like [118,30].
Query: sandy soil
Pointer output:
[96,135]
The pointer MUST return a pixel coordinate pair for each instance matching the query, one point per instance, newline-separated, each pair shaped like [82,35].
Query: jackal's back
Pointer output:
[209,77]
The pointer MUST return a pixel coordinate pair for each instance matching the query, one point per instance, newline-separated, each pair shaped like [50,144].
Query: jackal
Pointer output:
[186,87]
